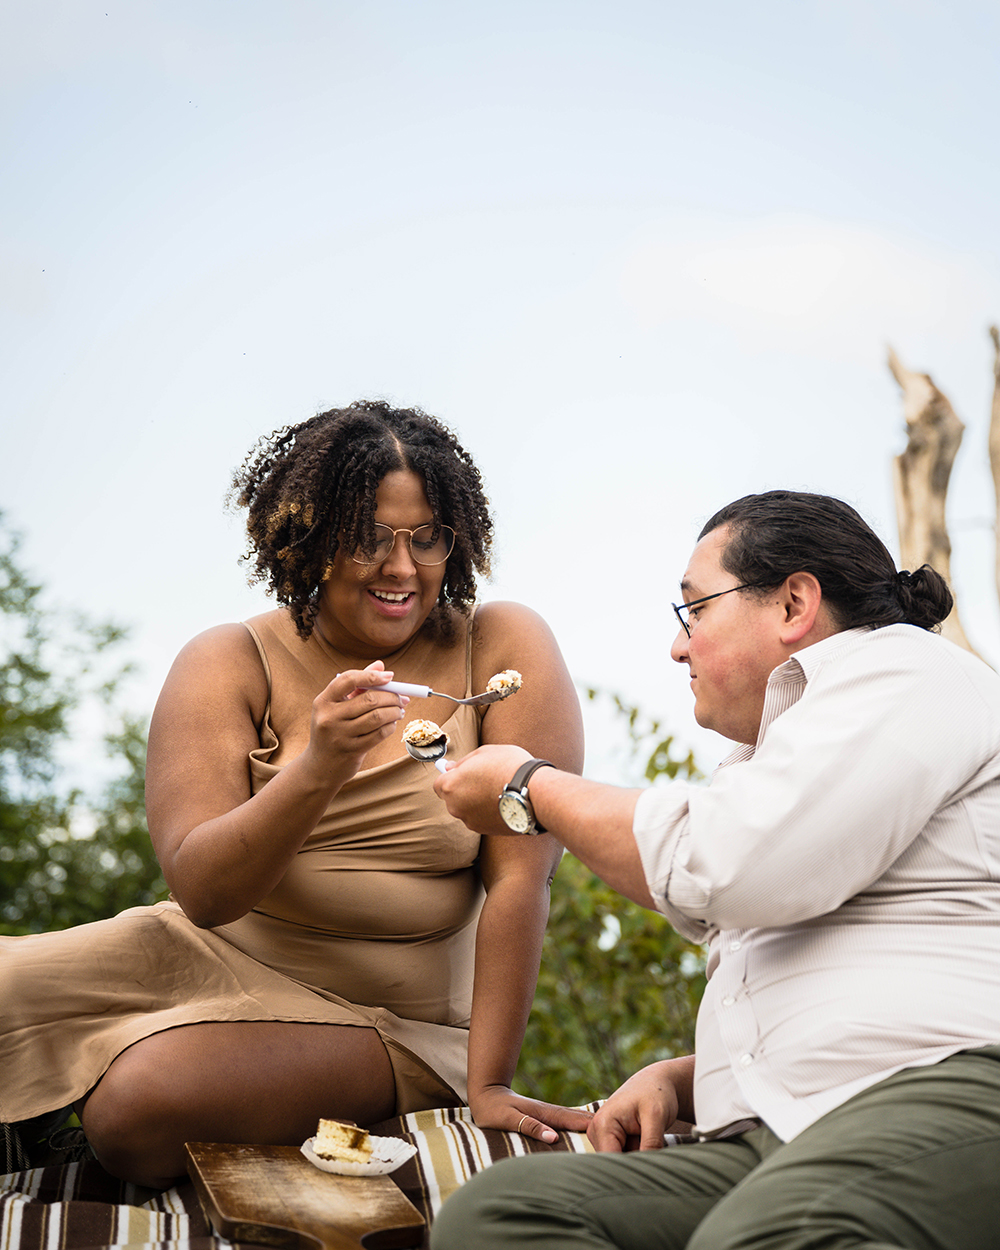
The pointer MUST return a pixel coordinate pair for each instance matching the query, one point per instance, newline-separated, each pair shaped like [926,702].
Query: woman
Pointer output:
[327,950]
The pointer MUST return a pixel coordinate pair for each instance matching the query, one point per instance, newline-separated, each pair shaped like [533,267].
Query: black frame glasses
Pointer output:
[434,533]
[684,608]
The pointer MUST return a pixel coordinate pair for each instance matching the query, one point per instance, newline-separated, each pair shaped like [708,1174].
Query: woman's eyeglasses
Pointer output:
[428,544]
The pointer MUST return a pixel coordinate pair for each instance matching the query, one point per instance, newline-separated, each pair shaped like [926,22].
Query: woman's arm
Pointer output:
[222,848]
[544,717]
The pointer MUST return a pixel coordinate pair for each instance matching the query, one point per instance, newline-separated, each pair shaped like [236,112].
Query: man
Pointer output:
[844,866]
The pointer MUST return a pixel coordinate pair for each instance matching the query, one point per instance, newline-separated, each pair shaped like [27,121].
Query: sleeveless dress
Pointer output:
[373,925]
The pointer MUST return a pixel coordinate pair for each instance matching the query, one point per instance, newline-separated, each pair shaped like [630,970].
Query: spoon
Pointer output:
[501,691]
[431,748]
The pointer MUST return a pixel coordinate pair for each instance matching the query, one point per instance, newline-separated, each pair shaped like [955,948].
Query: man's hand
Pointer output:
[593,821]
[637,1115]
[471,787]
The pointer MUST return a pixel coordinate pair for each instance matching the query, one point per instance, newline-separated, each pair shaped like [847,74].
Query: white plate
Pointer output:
[388,1153]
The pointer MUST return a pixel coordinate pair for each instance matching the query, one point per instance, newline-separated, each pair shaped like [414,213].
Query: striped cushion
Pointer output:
[80,1207]
[450,1149]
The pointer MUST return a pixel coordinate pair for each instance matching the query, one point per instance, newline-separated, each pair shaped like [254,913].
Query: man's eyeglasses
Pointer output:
[428,544]
[681,610]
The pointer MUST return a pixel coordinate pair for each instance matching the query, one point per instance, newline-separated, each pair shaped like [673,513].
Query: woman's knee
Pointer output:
[128,1121]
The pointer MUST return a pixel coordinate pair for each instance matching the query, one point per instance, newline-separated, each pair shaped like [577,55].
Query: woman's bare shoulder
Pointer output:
[510,635]
[223,664]
[228,643]
[544,718]
[232,640]
[496,619]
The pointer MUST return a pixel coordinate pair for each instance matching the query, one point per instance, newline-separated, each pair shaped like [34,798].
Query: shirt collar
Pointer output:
[795,672]
[806,662]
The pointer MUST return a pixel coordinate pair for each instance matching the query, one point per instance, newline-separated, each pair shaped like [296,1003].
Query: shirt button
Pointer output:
[735,946]
[746,1061]
[728,1000]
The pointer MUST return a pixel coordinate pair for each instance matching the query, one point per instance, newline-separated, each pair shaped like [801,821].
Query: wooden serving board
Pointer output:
[273,1196]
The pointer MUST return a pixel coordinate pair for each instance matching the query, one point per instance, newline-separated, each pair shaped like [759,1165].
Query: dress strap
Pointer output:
[468,653]
[267,674]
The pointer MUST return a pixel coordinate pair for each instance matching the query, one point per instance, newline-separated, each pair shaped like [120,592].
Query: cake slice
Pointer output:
[339,1139]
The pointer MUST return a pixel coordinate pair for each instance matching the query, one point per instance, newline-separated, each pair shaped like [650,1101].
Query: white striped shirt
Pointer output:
[846,872]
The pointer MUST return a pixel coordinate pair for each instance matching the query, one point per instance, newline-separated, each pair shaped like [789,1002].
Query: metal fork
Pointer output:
[425,692]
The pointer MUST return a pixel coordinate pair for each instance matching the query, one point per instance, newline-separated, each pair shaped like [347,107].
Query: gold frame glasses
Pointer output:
[435,534]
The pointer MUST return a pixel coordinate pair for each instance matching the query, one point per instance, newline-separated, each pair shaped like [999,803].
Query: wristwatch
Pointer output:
[515,809]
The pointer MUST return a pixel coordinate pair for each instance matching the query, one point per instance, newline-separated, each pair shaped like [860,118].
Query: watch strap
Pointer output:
[519,782]
[521,777]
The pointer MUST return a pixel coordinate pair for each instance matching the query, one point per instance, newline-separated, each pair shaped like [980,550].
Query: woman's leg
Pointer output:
[257,1081]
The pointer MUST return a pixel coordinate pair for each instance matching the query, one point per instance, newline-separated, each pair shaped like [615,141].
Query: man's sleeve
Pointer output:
[660,828]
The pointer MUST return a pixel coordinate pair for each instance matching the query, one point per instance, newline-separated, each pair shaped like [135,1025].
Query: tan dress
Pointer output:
[373,925]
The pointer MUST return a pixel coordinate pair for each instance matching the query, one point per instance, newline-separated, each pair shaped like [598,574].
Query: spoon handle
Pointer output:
[402,687]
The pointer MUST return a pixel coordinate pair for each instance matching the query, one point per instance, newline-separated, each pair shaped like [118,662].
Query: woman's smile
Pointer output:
[395,603]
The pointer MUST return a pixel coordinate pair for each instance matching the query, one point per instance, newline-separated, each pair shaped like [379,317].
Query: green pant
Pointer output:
[913,1162]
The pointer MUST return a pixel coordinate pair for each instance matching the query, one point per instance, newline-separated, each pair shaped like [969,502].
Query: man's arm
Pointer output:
[592,820]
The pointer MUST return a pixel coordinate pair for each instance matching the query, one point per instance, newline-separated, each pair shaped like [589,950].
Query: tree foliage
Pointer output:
[618,988]
[65,857]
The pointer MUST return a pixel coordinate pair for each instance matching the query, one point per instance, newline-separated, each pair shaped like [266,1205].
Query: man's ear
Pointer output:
[802,598]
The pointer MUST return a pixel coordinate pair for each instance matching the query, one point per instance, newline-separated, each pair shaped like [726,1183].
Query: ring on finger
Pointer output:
[520,1122]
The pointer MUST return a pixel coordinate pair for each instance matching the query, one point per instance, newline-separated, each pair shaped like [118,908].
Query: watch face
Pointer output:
[514,812]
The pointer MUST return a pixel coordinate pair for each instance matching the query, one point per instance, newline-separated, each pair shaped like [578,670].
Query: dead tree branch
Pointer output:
[920,478]
[995,437]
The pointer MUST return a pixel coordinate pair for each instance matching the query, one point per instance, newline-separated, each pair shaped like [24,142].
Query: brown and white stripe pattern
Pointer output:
[451,1149]
[78,1206]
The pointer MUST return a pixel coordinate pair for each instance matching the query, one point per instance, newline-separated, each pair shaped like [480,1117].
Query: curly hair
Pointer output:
[311,486]
[781,532]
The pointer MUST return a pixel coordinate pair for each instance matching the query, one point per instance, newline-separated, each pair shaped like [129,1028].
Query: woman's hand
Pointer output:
[350,717]
[499,1107]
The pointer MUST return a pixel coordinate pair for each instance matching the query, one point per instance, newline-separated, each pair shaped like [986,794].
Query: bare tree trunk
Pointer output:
[995,437]
[920,478]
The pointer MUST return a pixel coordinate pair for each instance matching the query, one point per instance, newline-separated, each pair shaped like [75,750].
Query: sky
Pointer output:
[642,257]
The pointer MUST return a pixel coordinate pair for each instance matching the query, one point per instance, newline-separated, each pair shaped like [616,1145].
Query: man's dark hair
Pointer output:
[781,532]
[308,487]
